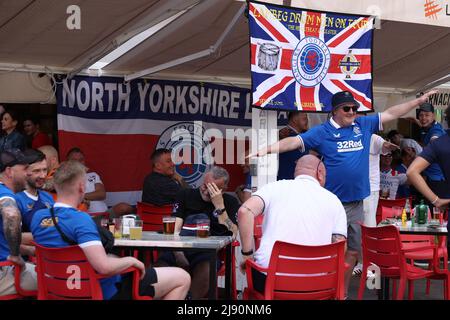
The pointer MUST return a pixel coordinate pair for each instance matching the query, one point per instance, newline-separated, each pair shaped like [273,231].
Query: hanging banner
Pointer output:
[300,58]
[118,125]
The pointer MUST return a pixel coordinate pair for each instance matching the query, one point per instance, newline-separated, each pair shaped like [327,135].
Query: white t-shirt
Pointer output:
[391,180]
[376,146]
[95,206]
[298,211]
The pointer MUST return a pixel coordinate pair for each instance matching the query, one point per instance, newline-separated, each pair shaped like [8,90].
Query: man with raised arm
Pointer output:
[344,143]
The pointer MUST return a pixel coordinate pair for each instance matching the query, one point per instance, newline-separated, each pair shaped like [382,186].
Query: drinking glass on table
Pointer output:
[117,227]
[203,228]
[438,216]
[136,230]
[169,224]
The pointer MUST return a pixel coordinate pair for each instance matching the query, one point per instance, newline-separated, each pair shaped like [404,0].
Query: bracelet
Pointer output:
[435,200]
[248,253]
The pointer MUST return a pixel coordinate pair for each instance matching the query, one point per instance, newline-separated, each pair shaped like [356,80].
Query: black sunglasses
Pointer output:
[347,108]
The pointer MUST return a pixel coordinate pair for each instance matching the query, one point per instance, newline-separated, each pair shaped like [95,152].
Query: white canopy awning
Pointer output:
[34,36]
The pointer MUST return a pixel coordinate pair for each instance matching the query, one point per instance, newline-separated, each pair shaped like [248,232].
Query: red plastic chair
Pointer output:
[389,204]
[152,218]
[99,215]
[58,267]
[21,293]
[221,272]
[257,230]
[382,246]
[152,215]
[301,272]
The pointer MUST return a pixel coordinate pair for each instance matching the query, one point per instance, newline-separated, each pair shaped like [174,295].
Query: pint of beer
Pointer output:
[203,228]
[169,224]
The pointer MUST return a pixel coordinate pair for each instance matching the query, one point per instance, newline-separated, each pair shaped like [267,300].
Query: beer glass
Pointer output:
[438,216]
[136,230]
[117,228]
[169,224]
[203,228]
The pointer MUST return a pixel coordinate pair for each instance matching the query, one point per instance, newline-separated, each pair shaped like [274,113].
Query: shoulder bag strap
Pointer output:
[63,236]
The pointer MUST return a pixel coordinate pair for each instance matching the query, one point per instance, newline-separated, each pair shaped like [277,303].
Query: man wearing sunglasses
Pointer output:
[344,142]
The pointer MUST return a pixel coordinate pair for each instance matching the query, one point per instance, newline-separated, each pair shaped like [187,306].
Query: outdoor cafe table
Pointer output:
[425,229]
[156,241]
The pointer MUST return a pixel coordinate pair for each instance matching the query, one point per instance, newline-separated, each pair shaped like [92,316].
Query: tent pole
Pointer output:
[190,57]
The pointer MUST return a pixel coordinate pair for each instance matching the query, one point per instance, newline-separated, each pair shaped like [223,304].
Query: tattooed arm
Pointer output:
[338,237]
[11,225]
[226,221]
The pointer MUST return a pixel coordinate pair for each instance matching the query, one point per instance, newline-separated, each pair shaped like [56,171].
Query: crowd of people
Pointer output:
[330,180]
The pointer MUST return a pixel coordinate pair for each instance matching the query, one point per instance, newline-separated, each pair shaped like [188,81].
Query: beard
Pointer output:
[19,186]
[34,184]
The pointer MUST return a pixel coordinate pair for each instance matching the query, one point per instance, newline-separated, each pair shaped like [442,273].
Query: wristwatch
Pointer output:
[218,212]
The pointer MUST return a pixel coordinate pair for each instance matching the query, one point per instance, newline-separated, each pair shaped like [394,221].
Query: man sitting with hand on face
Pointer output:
[209,201]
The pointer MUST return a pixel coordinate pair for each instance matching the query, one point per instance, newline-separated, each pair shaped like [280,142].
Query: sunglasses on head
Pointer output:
[348,108]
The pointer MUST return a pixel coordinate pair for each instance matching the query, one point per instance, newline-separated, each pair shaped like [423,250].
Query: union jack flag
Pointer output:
[300,58]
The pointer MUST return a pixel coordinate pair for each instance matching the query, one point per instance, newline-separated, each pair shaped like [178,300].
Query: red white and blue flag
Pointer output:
[119,124]
[300,58]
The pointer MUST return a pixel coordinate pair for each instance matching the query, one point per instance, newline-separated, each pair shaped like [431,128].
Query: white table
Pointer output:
[211,245]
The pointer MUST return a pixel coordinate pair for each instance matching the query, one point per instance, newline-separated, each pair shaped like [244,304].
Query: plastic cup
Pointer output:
[136,230]
[117,228]
[438,216]
[169,224]
[203,228]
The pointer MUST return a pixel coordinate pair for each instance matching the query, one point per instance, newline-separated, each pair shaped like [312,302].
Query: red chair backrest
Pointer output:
[152,215]
[305,272]
[389,212]
[389,204]
[65,274]
[408,239]
[382,247]
[20,293]
[257,230]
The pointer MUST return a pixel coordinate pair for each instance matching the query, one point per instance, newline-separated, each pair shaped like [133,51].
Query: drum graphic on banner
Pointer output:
[268,57]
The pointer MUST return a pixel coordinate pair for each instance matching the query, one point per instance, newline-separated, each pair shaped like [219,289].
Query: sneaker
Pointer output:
[370,274]
[357,270]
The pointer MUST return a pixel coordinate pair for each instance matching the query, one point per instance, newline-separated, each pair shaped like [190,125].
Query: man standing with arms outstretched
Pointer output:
[344,143]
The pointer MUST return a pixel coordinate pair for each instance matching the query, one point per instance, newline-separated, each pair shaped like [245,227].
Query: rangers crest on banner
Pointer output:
[300,58]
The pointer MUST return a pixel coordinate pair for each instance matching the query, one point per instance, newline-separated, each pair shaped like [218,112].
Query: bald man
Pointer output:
[51,155]
[298,211]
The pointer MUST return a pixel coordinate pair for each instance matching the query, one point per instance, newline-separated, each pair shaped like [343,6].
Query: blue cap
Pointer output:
[343,98]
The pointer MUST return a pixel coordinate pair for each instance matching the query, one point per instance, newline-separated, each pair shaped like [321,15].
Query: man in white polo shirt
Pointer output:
[298,211]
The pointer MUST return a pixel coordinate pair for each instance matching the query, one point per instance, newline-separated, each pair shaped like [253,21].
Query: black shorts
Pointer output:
[193,257]
[259,281]
[125,287]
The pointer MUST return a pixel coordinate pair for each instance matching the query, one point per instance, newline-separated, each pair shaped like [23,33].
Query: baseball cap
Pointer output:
[343,98]
[12,157]
[428,107]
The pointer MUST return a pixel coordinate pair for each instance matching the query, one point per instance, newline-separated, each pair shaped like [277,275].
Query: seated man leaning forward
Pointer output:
[221,209]
[162,185]
[315,217]
[69,180]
